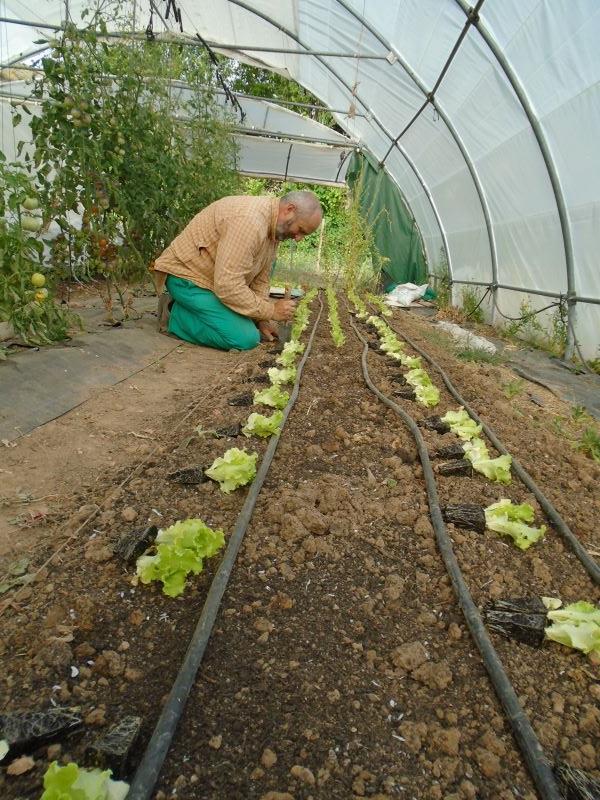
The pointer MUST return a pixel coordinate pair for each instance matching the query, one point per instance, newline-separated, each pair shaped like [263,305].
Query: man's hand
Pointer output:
[268,331]
[284,310]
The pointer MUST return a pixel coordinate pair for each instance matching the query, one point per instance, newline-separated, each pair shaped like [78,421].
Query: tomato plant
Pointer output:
[122,158]
[24,300]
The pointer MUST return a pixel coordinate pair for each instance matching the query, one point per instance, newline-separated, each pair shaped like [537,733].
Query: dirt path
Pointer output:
[340,666]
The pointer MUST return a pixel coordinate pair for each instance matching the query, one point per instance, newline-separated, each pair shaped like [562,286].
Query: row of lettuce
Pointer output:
[577,625]
[182,548]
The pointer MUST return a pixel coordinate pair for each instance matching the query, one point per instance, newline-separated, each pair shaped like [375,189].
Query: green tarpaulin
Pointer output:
[398,244]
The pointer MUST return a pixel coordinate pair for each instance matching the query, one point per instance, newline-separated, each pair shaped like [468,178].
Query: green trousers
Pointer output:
[199,317]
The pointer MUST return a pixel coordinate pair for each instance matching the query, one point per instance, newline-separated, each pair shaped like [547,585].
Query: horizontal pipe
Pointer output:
[293,136]
[296,51]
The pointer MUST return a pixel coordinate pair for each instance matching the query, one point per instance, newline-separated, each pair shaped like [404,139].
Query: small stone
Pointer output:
[129,514]
[136,617]
[333,696]
[268,758]
[133,675]
[489,764]
[257,774]
[20,766]
[85,650]
[96,717]
[215,742]
[263,625]
[302,774]
[409,656]
[53,752]
[454,632]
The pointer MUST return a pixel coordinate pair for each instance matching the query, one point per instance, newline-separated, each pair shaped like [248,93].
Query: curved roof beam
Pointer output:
[548,161]
[455,135]
[377,121]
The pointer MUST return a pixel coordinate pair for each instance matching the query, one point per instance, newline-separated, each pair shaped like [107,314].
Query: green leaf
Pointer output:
[513,520]
[279,376]
[76,783]
[180,550]
[259,425]
[274,396]
[576,625]
[235,468]
[461,424]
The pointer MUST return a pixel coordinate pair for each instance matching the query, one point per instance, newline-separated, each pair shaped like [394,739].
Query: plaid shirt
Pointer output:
[229,248]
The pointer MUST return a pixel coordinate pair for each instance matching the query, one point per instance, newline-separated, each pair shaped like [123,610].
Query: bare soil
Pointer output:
[340,665]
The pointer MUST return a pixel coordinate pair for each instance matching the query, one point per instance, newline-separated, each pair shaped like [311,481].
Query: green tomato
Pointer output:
[75,113]
[38,280]
[31,224]
[31,203]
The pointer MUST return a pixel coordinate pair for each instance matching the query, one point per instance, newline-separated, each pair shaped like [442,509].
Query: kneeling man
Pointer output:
[217,270]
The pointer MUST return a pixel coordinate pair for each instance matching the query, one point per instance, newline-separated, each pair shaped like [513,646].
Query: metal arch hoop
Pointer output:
[454,133]
[379,124]
[552,173]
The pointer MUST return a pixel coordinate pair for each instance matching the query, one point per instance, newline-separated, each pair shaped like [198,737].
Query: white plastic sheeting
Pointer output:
[474,175]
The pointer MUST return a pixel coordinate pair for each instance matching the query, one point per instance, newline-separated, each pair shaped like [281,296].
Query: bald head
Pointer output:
[300,214]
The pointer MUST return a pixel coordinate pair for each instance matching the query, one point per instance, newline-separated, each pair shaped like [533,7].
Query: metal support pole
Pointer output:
[550,166]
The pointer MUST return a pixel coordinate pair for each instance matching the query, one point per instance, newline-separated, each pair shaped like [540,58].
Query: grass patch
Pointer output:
[513,388]
[589,444]
[480,356]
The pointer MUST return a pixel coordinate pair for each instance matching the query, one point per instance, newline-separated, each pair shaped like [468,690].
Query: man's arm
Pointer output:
[234,264]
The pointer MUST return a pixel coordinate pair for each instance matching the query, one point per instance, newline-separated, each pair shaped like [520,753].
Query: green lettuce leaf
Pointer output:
[411,362]
[259,425]
[461,424]
[274,396]
[495,469]
[180,549]
[234,468]
[291,350]
[279,376]
[427,395]
[418,377]
[576,625]
[475,450]
[513,520]
[75,783]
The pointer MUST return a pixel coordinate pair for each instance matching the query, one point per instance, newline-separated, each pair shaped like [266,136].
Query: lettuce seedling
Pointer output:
[234,468]
[576,625]
[513,520]
[291,350]
[279,376]
[427,395]
[76,783]
[274,396]
[461,424]
[259,425]
[180,549]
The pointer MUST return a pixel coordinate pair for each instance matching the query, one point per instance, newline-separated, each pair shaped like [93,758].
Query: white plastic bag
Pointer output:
[404,294]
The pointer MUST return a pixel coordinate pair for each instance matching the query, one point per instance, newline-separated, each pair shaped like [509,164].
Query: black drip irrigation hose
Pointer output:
[538,766]
[557,521]
[150,766]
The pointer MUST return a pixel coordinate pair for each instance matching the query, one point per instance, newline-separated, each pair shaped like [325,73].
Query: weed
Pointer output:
[589,444]
[527,326]
[513,388]
[558,338]
[470,304]
[442,284]
[479,356]
[579,413]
